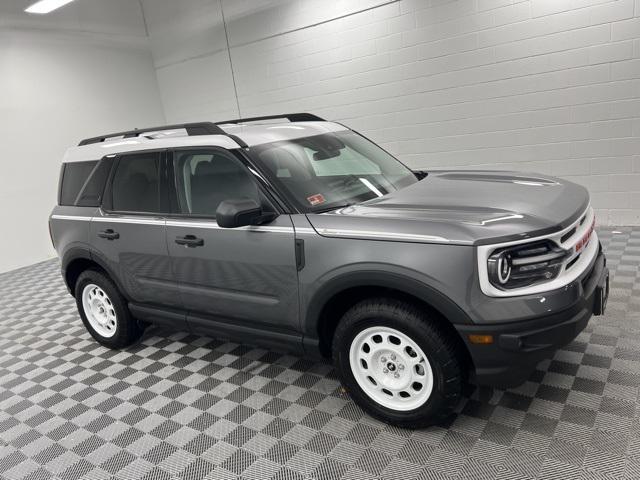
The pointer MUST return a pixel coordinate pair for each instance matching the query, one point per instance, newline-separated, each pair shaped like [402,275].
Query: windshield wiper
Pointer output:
[329,209]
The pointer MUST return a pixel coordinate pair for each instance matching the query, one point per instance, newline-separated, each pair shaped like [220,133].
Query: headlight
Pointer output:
[524,265]
[500,264]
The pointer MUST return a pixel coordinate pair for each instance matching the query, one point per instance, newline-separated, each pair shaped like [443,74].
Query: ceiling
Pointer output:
[113,17]
[116,17]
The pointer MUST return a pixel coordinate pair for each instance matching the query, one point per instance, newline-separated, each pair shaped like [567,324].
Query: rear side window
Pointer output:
[74,176]
[136,183]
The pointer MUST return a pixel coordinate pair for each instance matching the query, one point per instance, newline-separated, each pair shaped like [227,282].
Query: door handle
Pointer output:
[190,241]
[109,234]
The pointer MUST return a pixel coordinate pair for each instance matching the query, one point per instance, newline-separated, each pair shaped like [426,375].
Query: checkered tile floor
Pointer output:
[181,406]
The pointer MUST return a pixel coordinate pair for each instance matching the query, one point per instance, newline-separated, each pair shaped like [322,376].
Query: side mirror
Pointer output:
[241,212]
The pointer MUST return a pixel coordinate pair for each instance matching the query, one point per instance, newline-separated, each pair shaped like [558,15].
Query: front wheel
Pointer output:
[397,363]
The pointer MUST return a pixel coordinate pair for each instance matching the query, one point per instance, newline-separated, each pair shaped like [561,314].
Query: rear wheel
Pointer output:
[397,363]
[104,310]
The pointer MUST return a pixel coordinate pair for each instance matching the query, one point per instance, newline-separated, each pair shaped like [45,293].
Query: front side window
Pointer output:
[204,178]
[136,183]
[328,171]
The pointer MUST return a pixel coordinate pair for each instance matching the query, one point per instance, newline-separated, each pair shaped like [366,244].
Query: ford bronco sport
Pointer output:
[300,234]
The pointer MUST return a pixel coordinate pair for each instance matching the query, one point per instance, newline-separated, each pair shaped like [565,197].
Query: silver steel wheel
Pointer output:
[391,368]
[99,310]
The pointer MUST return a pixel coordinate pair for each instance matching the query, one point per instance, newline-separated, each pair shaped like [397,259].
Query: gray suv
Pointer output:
[300,234]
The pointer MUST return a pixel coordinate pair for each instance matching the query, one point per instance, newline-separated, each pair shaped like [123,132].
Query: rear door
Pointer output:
[246,276]
[129,231]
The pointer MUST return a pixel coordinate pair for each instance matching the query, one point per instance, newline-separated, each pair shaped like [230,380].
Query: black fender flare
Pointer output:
[71,254]
[376,278]
[86,253]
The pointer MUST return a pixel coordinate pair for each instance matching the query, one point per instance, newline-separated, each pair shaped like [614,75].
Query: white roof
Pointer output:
[259,133]
[251,133]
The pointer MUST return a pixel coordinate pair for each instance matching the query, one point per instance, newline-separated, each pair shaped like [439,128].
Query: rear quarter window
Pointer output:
[73,177]
[91,193]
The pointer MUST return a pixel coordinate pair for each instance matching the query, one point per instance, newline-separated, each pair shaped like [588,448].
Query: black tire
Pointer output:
[128,330]
[441,351]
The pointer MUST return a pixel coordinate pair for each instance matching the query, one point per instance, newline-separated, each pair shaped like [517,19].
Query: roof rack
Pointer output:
[199,128]
[292,117]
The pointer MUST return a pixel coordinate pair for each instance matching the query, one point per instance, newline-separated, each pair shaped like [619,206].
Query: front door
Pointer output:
[231,280]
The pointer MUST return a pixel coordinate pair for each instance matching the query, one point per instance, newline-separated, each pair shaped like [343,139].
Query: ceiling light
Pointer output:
[46,6]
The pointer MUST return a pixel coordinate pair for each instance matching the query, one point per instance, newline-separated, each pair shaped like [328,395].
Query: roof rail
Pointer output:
[292,117]
[199,128]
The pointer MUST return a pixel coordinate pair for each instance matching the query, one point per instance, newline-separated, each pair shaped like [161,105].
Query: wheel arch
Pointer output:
[330,302]
[77,260]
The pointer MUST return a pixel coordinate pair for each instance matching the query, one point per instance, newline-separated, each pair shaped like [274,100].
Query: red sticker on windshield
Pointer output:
[316,199]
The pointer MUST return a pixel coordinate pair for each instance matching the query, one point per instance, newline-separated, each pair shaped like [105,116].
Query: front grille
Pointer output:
[529,264]
[541,264]
[572,262]
[570,233]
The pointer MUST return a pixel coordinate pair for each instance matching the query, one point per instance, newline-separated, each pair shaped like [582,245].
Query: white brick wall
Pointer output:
[538,85]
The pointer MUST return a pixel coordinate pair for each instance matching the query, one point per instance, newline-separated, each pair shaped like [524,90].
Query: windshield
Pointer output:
[332,170]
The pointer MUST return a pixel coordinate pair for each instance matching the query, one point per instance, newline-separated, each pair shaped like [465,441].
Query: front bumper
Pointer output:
[519,346]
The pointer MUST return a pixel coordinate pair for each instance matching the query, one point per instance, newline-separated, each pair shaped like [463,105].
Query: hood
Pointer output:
[462,207]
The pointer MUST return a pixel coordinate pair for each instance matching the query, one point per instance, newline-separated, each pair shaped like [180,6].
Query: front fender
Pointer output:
[403,281]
